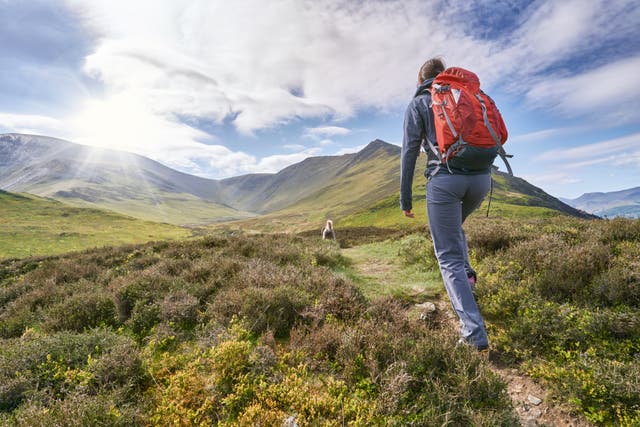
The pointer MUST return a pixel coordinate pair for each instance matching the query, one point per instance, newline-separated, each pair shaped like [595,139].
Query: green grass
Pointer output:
[31,225]
[376,269]
[387,213]
[171,208]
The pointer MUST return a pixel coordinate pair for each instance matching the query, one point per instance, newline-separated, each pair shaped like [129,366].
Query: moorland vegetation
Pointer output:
[258,330]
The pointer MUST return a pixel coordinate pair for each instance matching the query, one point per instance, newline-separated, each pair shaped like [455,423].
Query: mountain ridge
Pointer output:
[624,203]
[137,186]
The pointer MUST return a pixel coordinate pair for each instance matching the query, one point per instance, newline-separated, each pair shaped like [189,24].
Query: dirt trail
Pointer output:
[530,400]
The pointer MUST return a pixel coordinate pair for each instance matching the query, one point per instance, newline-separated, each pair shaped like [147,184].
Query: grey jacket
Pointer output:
[418,127]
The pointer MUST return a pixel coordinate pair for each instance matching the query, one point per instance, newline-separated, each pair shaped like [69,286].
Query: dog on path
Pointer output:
[327,231]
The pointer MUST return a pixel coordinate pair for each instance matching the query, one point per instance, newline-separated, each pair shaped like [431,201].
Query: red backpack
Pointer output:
[469,128]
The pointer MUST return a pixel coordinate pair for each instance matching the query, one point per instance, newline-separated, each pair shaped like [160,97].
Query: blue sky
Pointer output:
[221,88]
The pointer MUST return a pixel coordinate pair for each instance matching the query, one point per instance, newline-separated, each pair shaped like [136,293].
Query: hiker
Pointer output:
[453,192]
[327,231]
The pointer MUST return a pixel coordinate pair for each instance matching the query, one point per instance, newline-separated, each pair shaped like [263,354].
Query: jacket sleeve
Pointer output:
[411,142]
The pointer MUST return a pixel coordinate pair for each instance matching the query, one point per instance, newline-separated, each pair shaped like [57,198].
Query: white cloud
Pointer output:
[613,90]
[32,124]
[552,178]
[264,63]
[540,135]
[349,150]
[610,149]
[258,64]
[327,131]
[294,147]
[278,162]
[555,33]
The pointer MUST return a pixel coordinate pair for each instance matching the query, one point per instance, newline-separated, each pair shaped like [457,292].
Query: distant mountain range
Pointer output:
[624,203]
[134,185]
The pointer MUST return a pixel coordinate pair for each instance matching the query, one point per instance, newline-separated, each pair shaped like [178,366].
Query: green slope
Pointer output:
[365,192]
[356,185]
[107,179]
[30,225]
[512,198]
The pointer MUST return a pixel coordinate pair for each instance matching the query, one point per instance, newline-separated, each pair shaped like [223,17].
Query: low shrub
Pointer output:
[416,250]
[487,236]
[81,311]
[144,316]
[57,365]
[276,309]
[567,299]
[181,309]
[78,410]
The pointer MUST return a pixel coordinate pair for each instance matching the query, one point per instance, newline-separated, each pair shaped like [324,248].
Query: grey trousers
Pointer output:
[450,199]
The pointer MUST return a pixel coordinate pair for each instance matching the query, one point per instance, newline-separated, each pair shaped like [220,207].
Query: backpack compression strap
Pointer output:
[503,155]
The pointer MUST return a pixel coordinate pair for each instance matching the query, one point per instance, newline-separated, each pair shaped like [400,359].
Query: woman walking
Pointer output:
[453,192]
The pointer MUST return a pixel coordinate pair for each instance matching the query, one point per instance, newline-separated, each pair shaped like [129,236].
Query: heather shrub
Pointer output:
[262,309]
[561,271]
[337,297]
[566,299]
[620,284]
[15,319]
[144,316]
[64,271]
[417,250]
[12,391]
[181,309]
[233,331]
[146,286]
[619,230]
[78,409]
[119,366]
[81,311]
[487,236]
[54,366]
[570,269]
[607,390]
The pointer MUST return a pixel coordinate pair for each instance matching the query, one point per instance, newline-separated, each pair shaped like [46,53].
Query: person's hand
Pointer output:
[408,214]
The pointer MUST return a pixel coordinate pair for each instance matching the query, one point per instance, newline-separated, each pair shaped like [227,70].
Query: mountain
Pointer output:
[123,182]
[625,203]
[304,193]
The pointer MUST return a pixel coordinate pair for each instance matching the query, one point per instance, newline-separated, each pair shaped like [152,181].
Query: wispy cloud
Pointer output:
[612,91]
[610,149]
[278,162]
[349,150]
[327,131]
[552,178]
[28,123]
[536,136]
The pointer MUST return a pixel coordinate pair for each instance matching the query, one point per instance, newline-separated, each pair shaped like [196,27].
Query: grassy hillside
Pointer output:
[368,178]
[263,329]
[226,331]
[506,202]
[107,179]
[171,208]
[30,225]
[366,193]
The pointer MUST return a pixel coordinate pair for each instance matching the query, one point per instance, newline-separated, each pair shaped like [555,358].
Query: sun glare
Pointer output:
[119,122]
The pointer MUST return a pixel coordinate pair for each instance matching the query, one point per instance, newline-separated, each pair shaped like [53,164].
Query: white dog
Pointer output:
[327,231]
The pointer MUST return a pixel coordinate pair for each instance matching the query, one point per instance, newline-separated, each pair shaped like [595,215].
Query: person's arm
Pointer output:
[411,142]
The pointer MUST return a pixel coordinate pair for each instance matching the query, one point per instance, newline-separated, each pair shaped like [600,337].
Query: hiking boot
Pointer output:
[472,280]
[479,348]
